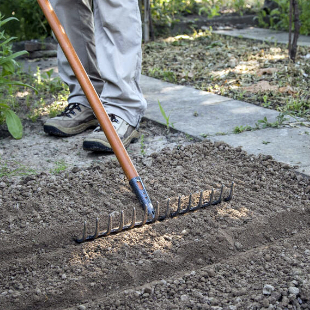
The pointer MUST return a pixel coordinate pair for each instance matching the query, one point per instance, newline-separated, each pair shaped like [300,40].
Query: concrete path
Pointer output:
[203,114]
[264,35]
[199,113]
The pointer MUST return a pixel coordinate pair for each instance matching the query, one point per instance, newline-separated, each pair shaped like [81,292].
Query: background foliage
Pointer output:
[279,17]
[32,23]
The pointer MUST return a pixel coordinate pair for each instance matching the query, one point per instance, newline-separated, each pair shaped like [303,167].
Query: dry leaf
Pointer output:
[261,86]
[287,89]
[270,71]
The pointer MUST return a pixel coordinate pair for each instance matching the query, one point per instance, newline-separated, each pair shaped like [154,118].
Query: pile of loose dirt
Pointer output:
[249,253]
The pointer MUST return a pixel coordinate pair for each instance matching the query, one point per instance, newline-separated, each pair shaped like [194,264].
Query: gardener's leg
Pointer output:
[118,45]
[76,17]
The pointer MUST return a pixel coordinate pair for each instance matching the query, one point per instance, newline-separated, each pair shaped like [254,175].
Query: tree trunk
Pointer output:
[146,20]
[294,10]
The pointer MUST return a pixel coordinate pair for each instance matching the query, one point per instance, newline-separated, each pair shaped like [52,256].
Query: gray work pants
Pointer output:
[106,35]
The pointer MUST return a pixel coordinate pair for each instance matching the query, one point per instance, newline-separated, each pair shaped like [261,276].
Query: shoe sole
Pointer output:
[95,145]
[68,132]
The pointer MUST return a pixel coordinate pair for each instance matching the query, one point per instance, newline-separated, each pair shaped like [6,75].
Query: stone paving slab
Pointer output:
[217,117]
[197,112]
[263,35]
[287,145]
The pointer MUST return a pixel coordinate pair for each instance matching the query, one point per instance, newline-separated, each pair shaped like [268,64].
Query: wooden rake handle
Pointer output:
[95,103]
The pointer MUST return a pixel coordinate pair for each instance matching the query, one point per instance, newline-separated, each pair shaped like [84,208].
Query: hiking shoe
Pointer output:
[75,119]
[98,142]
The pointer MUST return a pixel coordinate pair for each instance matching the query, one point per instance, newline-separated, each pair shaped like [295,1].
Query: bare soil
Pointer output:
[252,252]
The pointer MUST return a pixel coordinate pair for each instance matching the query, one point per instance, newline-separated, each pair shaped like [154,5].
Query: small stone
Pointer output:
[293,290]
[64,276]
[268,289]
[265,303]
[81,307]
[147,161]
[184,298]
[75,169]
[163,282]
[147,289]
[238,246]
[211,273]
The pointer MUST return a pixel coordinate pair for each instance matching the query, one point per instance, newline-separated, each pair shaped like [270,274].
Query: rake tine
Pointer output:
[231,193]
[121,222]
[200,200]
[156,212]
[177,212]
[211,197]
[144,217]
[84,232]
[133,218]
[220,197]
[109,229]
[97,229]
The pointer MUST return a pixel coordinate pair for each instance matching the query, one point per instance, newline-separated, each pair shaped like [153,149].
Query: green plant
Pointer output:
[6,169]
[211,8]
[279,17]
[281,118]
[8,67]
[266,103]
[167,118]
[241,128]
[60,165]
[142,145]
[32,22]
[45,82]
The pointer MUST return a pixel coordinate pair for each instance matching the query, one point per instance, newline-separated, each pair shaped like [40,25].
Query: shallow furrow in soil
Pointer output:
[98,274]
[274,274]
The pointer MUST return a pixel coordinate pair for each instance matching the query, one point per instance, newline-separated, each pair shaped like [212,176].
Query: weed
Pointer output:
[8,67]
[280,120]
[60,165]
[167,118]
[188,137]
[221,133]
[266,103]
[204,135]
[142,145]
[266,142]
[240,129]
[21,170]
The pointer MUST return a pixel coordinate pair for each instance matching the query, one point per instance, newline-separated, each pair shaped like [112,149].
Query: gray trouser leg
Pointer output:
[77,19]
[118,44]
[110,51]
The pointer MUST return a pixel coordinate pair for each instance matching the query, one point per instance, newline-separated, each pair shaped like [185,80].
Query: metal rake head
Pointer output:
[168,214]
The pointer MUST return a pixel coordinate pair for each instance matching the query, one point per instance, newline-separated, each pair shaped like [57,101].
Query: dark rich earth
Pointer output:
[252,252]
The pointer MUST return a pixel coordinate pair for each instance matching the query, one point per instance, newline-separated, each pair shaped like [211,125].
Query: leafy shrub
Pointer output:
[32,23]
[279,17]
[8,67]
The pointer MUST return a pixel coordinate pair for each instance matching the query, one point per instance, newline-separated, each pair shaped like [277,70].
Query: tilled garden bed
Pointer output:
[249,253]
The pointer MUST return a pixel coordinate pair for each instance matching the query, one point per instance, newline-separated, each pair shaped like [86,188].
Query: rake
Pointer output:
[151,213]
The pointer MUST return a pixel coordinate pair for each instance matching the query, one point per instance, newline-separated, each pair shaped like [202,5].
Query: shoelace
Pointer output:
[113,120]
[69,109]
